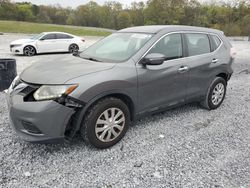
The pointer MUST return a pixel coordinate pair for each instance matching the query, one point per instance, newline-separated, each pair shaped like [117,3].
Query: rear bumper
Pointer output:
[42,122]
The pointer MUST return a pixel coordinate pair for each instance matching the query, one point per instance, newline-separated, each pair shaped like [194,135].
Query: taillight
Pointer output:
[233,52]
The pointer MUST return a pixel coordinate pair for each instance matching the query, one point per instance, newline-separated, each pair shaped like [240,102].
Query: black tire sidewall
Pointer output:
[211,88]
[94,115]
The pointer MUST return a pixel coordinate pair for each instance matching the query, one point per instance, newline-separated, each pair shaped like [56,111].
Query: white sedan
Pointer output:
[47,42]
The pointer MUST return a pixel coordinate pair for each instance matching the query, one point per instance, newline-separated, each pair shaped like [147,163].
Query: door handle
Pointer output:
[183,69]
[215,60]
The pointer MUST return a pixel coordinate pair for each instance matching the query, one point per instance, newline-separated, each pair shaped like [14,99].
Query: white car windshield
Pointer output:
[117,47]
[35,37]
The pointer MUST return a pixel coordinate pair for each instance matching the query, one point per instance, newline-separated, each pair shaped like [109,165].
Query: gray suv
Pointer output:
[133,72]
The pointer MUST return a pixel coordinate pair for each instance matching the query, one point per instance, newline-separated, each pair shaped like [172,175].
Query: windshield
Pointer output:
[37,36]
[117,47]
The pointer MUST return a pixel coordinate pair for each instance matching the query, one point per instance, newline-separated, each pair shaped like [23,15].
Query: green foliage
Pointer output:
[232,17]
[123,20]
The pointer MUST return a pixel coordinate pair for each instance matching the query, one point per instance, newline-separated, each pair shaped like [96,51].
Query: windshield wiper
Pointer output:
[91,59]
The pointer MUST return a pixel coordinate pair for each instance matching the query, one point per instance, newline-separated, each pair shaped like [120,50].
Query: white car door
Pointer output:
[48,43]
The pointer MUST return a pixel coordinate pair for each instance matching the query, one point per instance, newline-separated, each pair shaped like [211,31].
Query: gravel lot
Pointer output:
[183,147]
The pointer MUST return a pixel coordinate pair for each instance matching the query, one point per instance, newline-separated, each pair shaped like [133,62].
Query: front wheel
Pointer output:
[106,123]
[29,51]
[215,94]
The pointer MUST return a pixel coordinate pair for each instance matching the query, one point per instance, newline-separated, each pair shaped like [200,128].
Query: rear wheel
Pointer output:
[106,123]
[73,48]
[216,94]
[29,51]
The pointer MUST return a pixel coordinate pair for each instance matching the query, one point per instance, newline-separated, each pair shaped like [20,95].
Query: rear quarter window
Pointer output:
[63,36]
[215,42]
[197,44]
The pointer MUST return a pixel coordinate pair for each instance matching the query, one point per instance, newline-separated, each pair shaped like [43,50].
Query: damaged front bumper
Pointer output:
[40,121]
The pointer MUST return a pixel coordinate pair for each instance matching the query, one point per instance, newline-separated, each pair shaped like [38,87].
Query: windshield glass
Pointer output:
[34,37]
[117,47]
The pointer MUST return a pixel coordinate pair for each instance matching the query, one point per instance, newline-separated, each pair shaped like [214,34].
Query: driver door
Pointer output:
[165,85]
[48,43]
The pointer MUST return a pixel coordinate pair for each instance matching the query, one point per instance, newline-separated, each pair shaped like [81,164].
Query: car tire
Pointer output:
[216,94]
[106,123]
[73,48]
[29,51]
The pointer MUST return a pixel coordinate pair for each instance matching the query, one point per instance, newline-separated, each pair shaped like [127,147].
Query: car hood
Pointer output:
[62,70]
[22,41]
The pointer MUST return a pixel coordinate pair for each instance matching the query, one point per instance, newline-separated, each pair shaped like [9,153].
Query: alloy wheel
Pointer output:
[29,51]
[73,48]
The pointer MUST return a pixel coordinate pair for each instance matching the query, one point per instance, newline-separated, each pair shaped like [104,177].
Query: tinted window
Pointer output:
[215,42]
[49,37]
[63,36]
[170,46]
[197,44]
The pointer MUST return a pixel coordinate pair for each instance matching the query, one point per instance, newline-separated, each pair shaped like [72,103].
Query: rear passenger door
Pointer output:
[201,62]
[63,41]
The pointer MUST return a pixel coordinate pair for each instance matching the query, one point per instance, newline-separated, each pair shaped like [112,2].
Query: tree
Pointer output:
[137,13]
[24,12]
[123,20]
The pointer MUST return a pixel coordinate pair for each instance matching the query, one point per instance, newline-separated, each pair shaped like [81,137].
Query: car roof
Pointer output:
[57,32]
[158,28]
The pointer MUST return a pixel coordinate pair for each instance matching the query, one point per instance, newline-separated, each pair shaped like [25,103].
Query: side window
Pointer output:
[63,36]
[170,46]
[49,37]
[215,42]
[197,44]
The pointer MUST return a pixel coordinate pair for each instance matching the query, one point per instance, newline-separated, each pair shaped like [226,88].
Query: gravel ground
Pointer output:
[183,147]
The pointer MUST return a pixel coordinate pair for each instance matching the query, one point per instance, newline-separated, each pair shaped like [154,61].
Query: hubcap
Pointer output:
[218,93]
[73,48]
[29,51]
[110,124]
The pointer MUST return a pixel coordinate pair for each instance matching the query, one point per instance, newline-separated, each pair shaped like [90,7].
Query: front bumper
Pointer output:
[16,49]
[43,121]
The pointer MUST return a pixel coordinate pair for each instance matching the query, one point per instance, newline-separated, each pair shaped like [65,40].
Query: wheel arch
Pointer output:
[224,75]
[123,97]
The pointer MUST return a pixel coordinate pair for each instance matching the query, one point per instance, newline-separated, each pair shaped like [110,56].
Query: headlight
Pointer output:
[47,92]
[15,45]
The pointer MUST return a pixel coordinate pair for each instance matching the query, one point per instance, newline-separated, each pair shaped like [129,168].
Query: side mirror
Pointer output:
[153,59]
[42,39]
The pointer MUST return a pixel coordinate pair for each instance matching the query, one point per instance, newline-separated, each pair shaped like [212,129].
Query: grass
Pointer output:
[32,28]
